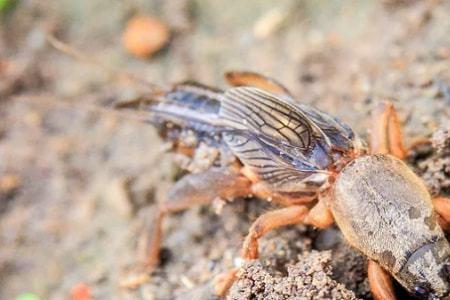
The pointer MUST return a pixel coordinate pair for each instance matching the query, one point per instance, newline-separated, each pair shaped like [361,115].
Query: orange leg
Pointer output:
[245,78]
[291,215]
[224,281]
[386,136]
[201,188]
[271,220]
[442,207]
[387,139]
[380,282]
[320,216]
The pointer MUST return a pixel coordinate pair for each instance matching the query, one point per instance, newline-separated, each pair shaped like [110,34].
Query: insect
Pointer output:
[254,139]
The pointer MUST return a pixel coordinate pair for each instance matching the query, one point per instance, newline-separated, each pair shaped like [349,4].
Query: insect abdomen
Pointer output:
[188,109]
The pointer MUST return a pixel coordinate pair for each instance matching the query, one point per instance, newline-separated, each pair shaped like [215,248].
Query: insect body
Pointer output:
[255,140]
[385,211]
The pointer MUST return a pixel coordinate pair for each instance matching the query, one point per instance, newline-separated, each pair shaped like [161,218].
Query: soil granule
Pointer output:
[309,278]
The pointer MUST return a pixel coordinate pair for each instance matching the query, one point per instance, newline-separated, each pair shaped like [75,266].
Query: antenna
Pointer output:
[155,89]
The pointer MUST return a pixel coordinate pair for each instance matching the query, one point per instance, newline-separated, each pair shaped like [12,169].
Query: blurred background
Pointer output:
[78,180]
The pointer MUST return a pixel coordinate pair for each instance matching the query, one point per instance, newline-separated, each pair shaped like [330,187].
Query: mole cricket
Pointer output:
[254,139]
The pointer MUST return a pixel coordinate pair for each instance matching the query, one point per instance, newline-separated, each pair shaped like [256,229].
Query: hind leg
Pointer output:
[201,188]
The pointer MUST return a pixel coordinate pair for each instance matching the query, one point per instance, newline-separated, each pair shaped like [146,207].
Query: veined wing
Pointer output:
[261,113]
[273,137]
[275,165]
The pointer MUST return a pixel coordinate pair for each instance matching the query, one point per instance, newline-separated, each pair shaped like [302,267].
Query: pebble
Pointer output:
[80,291]
[9,183]
[144,36]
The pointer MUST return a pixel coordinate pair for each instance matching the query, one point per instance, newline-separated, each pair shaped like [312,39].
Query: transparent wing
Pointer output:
[261,113]
[276,139]
[340,135]
[278,168]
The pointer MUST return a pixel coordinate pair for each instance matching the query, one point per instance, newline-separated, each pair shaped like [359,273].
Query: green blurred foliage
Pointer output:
[26,296]
[7,5]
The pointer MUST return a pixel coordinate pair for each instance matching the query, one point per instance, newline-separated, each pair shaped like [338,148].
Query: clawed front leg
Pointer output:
[201,188]
[386,138]
[386,135]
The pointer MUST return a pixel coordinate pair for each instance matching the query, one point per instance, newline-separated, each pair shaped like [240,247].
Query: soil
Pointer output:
[309,278]
[78,180]
[432,161]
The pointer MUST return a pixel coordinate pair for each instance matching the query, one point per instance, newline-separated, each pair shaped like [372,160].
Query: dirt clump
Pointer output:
[431,161]
[309,278]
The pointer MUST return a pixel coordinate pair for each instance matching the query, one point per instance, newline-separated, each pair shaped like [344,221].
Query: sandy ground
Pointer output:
[78,180]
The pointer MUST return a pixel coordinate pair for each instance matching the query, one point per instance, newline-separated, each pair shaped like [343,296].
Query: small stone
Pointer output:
[144,36]
[187,282]
[269,23]
[134,280]
[218,205]
[9,183]
[80,291]
[118,195]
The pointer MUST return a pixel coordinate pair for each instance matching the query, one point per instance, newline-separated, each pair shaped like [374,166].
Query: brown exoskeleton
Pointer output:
[254,139]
